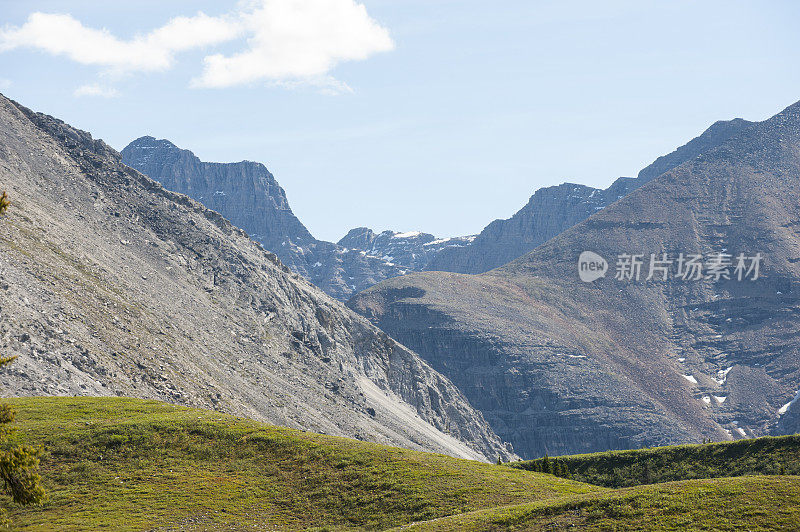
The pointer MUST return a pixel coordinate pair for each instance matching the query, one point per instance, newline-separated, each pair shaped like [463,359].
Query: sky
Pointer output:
[432,115]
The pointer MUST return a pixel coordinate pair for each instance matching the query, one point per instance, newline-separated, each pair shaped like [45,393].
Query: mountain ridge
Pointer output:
[249,195]
[552,210]
[113,285]
[412,250]
[549,359]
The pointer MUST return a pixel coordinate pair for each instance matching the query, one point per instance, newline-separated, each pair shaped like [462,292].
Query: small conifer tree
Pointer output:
[647,473]
[546,466]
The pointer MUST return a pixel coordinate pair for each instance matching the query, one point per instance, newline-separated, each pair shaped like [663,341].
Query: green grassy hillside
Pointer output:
[124,464]
[761,456]
[743,503]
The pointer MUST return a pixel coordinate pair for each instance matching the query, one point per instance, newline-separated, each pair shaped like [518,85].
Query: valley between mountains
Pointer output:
[553,364]
[133,281]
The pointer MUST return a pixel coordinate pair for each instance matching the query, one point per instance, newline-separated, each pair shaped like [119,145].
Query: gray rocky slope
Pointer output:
[561,366]
[553,210]
[248,195]
[112,285]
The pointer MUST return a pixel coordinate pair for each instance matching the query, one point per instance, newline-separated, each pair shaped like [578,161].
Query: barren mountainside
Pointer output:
[558,365]
[112,285]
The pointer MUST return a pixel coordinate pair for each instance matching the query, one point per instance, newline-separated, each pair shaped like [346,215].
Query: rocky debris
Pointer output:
[562,366]
[112,285]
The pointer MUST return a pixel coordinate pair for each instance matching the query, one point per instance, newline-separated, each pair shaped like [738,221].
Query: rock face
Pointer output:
[549,212]
[559,365]
[248,195]
[411,250]
[553,210]
[112,285]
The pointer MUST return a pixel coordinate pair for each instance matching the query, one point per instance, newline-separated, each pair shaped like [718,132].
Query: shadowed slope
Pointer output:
[759,456]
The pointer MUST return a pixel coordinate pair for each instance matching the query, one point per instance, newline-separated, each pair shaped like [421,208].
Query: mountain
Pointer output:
[717,134]
[113,285]
[549,212]
[553,210]
[248,195]
[558,365]
[411,250]
[246,190]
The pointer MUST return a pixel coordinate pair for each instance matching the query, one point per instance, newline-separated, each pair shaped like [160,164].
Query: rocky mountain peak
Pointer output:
[358,238]
[410,250]
[248,195]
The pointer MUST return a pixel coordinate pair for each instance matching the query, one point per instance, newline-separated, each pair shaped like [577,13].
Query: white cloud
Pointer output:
[64,35]
[327,85]
[5,83]
[297,40]
[288,43]
[95,89]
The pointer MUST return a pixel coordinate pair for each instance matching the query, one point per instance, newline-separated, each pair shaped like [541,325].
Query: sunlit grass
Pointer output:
[125,464]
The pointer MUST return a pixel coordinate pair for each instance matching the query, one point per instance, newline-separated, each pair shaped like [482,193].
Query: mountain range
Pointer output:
[558,365]
[153,274]
[113,285]
[248,195]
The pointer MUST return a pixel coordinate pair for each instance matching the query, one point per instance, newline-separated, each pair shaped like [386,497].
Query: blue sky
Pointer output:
[430,115]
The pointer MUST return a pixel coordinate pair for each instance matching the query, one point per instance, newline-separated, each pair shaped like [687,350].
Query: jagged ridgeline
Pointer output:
[562,366]
[553,210]
[113,285]
[248,195]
